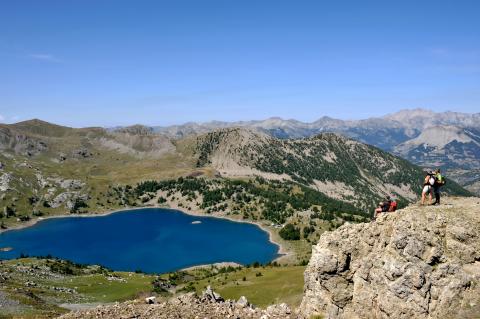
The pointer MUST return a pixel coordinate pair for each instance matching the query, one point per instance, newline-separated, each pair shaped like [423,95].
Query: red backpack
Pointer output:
[393,206]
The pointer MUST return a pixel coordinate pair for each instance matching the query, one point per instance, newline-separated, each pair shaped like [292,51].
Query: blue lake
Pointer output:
[153,240]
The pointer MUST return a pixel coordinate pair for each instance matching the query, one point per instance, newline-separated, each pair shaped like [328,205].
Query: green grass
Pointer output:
[99,289]
[40,301]
[275,285]
[262,285]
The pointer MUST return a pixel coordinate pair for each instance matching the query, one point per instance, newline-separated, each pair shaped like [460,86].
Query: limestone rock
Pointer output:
[420,262]
[211,295]
[242,302]
[71,184]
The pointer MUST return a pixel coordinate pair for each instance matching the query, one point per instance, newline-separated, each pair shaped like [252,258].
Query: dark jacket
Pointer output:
[386,205]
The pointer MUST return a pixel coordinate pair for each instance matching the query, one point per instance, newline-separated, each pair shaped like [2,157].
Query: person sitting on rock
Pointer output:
[428,183]
[383,207]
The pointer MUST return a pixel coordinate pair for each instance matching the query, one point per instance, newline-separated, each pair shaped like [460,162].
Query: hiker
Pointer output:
[428,183]
[383,207]
[439,182]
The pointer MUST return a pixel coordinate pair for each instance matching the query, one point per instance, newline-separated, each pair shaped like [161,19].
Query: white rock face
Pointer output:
[416,263]
[5,182]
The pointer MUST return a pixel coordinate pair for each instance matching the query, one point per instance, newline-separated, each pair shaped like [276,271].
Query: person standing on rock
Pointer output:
[439,182]
[428,183]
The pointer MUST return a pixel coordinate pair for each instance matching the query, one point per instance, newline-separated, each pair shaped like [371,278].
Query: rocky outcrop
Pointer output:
[421,262]
[82,153]
[20,143]
[189,306]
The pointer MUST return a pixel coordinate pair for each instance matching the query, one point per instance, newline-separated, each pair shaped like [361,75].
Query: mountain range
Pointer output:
[450,140]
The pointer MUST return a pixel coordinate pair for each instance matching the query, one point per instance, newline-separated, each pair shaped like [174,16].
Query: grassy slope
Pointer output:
[275,285]
[91,285]
[98,288]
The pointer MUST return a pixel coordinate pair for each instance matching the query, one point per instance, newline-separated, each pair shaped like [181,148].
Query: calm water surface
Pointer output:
[152,239]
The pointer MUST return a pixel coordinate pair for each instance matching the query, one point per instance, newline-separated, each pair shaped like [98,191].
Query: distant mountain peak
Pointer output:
[40,127]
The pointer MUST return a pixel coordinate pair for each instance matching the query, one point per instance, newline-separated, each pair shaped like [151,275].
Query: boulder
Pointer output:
[211,295]
[242,302]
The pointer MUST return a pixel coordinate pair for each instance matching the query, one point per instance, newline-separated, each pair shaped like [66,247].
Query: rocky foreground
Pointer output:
[421,262]
[210,305]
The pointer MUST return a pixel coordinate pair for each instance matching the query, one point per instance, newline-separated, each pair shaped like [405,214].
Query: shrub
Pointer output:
[290,232]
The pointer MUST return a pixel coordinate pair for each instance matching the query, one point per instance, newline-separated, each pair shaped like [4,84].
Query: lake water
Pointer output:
[153,240]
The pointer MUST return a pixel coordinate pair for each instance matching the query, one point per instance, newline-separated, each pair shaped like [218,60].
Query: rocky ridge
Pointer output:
[421,262]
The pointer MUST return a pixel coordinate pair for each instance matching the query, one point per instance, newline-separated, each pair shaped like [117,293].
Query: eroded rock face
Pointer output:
[21,143]
[421,262]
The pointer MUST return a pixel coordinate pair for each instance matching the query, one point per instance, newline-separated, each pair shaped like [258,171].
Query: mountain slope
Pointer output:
[447,146]
[339,167]
[45,168]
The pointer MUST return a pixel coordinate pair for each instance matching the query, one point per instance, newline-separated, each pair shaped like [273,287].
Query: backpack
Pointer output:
[431,180]
[441,180]
[393,206]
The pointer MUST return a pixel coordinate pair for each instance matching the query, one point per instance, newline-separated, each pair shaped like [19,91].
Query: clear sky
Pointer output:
[115,62]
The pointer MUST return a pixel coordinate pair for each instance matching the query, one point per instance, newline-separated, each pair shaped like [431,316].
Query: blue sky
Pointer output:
[85,63]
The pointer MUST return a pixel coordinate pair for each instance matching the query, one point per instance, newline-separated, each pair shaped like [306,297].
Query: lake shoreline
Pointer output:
[283,253]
